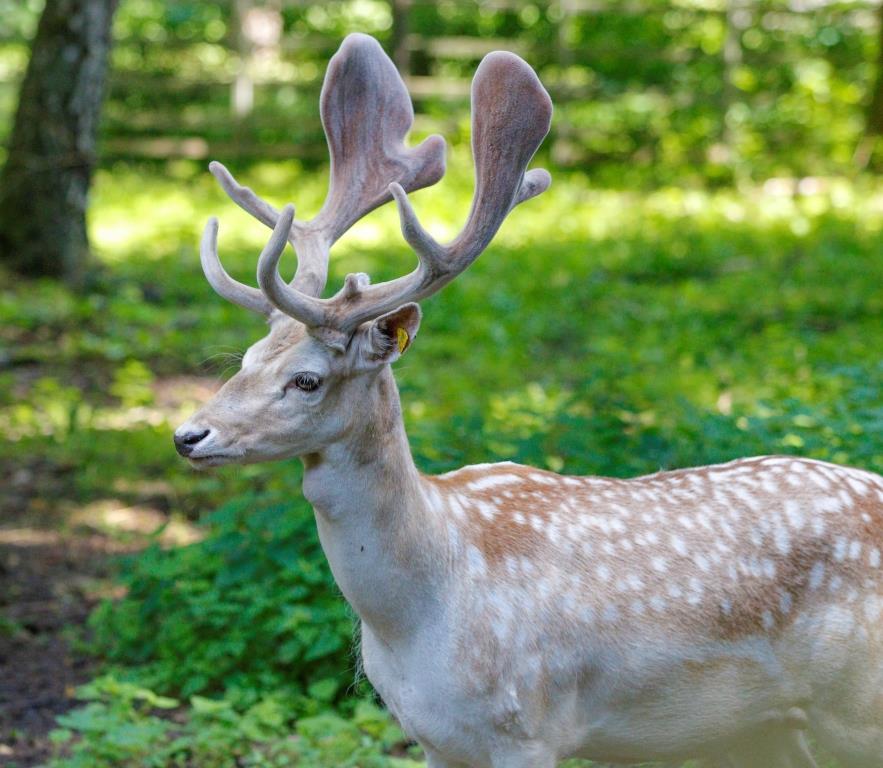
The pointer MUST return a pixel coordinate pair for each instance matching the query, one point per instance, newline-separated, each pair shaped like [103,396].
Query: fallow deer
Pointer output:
[512,617]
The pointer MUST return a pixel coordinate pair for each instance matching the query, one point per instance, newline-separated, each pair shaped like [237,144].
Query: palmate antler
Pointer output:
[511,113]
[366,113]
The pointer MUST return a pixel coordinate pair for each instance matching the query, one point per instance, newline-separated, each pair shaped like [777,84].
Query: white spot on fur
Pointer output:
[874,558]
[782,540]
[658,603]
[768,486]
[487,511]
[785,602]
[855,550]
[475,560]
[434,499]
[456,507]
[827,504]
[679,545]
[493,481]
[816,575]
[794,513]
[840,547]
[617,525]
[857,485]
[454,538]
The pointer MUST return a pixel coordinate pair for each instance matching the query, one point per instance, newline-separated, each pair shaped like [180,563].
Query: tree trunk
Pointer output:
[875,112]
[401,52]
[44,185]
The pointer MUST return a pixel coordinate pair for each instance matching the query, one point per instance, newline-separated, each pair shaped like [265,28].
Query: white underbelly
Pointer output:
[617,707]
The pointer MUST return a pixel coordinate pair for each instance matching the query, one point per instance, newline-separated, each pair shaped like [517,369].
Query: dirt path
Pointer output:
[52,573]
[46,585]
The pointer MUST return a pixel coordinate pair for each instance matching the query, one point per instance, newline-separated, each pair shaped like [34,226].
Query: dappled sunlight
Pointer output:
[28,537]
[719,302]
[116,518]
[51,409]
[701,282]
[159,218]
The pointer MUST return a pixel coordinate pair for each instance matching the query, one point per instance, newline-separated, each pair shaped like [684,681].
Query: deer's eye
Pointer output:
[304,381]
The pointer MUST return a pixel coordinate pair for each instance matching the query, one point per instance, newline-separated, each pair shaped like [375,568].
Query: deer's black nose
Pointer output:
[186,442]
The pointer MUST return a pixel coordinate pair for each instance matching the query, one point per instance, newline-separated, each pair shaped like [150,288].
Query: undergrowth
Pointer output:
[605,332]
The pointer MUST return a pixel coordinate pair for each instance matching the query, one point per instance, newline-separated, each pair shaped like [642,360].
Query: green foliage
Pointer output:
[121,727]
[251,608]
[656,92]
[606,332]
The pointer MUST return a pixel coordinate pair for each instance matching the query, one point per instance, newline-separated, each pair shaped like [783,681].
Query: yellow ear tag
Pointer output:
[403,338]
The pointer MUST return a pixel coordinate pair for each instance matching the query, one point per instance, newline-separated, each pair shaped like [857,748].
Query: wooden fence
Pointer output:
[257,93]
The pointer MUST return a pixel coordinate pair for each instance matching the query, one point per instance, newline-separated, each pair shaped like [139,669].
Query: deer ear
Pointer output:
[386,339]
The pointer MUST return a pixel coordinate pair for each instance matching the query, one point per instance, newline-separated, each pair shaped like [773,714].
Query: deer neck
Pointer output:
[375,525]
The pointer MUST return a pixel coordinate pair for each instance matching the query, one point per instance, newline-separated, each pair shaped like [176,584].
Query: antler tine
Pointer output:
[232,290]
[226,286]
[511,114]
[366,113]
[243,196]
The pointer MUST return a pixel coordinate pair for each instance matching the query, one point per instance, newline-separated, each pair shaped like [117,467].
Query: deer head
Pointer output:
[315,375]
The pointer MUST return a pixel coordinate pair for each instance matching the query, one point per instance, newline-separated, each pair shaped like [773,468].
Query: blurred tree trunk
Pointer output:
[242,95]
[874,122]
[44,185]
[875,112]
[400,45]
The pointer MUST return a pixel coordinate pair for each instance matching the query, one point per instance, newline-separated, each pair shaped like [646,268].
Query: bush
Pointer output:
[252,608]
[121,727]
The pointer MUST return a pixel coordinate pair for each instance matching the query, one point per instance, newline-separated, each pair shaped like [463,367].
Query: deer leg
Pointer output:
[800,754]
[782,749]
[435,760]
[525,756]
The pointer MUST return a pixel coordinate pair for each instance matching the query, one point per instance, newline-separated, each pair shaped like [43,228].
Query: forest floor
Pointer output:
[675,328]
[48,584]
[56,563]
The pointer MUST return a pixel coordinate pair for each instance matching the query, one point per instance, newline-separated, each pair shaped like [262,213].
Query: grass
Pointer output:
[606,331]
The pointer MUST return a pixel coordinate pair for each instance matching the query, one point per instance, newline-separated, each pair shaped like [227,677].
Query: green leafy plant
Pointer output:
[249,609]
[127,726]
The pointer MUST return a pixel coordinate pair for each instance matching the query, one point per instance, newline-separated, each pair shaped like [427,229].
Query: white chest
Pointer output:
[420,685]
